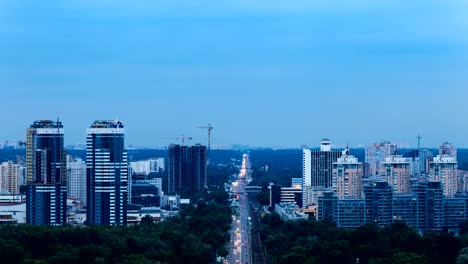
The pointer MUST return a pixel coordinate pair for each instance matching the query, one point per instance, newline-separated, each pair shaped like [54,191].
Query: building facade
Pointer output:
[46,188]
[396,170]
[107,174]
[317,171]
[347,176]
[376,154]
[9,177]
[444,168]
[187,169]
[76,178]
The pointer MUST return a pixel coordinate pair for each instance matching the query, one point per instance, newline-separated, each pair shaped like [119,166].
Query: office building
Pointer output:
[107,174]
[376,154]
[76,178]
[46,188]
[396,170]
[317,171]
[187,169]
[9,177]
[444,168]
[347,176]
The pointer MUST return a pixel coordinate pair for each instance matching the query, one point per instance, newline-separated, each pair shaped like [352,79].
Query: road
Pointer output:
[240,249]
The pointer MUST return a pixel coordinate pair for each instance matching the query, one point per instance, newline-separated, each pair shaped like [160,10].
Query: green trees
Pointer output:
[193,237]
[309,241]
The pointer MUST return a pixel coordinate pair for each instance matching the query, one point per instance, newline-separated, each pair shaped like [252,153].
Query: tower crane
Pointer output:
[209,128]
[181,138]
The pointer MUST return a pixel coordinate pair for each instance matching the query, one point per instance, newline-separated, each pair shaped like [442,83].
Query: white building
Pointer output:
[76,178]
[148,166]
[9,177]
[12,209]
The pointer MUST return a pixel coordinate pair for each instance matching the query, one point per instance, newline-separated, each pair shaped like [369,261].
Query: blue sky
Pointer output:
[262,72]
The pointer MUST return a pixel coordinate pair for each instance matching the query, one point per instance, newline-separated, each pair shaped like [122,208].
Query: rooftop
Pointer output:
[47,124]
[107,124]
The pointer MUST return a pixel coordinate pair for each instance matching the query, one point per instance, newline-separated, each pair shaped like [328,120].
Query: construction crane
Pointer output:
[181,138]
[209,128]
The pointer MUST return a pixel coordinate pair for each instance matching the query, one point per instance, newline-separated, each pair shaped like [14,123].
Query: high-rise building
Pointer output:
[76,178]
[396,170]
[187,169]
[107,174]
[376,154]
[448,149]
[347,176]
[9,177]
[317,171]
[46,189]
[443,168]
[378,200]
[430,198]
[424,155]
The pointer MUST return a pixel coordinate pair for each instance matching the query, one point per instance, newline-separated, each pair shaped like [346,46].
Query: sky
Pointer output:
[262,72]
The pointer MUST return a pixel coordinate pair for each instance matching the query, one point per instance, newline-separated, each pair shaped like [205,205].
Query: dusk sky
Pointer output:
[264,73]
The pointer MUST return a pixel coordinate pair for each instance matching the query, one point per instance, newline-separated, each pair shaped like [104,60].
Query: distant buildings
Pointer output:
[187,169]
[46,189]
[9,177]
[448,149]
[376,154]
[148,166]
[107,174]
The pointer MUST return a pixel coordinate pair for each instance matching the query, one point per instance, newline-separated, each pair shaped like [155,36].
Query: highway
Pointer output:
[240,249]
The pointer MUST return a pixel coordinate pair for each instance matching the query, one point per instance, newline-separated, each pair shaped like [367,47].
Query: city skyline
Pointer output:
[264,73]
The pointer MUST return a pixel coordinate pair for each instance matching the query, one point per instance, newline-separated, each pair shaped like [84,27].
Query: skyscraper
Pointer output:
[347,176]
[444,169]
[46,189]
[396,170]
[317,170]
[107,174]
[187,169]
[376,154]
[76,178]
[9,177]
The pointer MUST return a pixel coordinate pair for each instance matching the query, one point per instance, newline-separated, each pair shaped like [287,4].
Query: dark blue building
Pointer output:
[46,189]
[187,169]
[107,174]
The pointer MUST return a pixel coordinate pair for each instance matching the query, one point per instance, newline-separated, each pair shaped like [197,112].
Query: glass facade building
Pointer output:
[46,186]
[107,174]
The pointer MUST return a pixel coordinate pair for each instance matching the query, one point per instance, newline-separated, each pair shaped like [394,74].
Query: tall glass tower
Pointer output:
[46,187]
[107,174]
